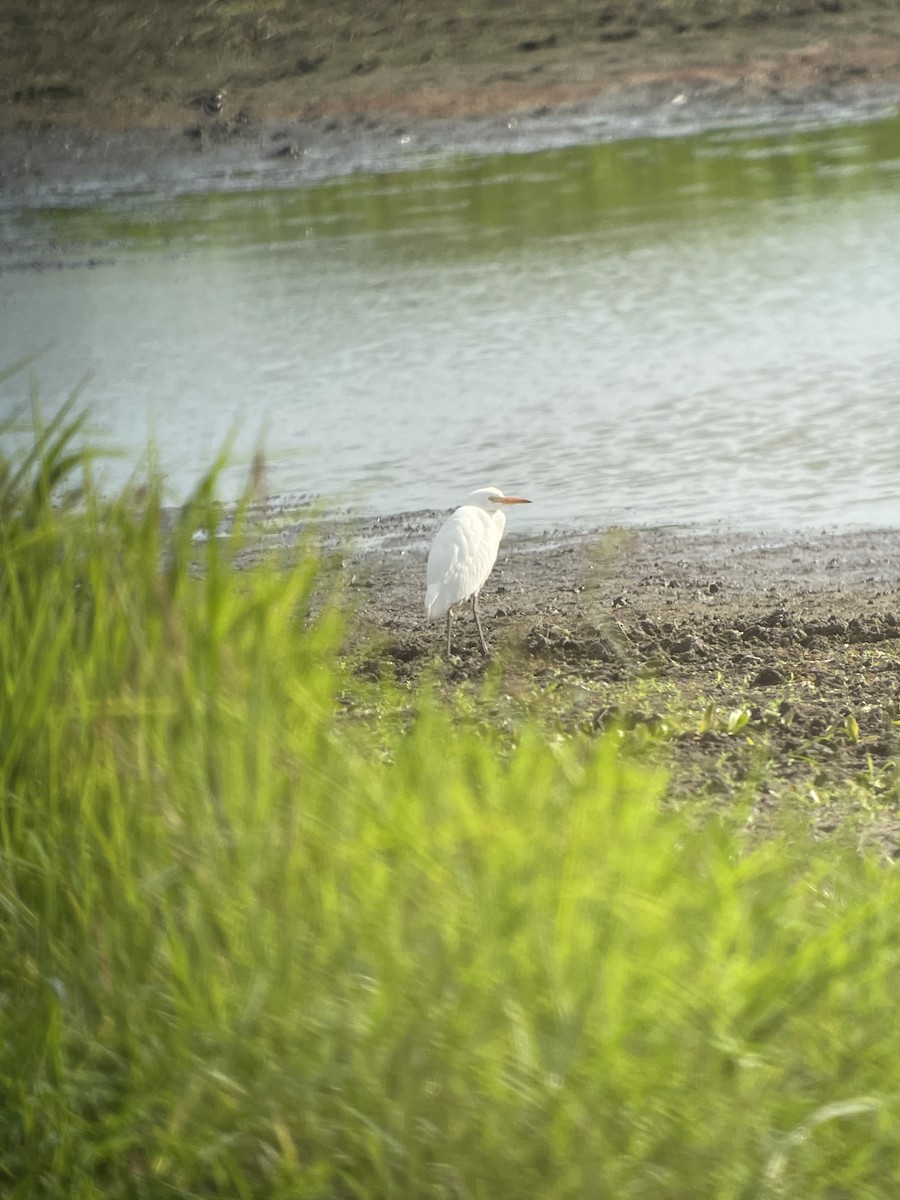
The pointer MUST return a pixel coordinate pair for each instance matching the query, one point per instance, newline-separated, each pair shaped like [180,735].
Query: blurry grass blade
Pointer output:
[778,1161]
[21,364]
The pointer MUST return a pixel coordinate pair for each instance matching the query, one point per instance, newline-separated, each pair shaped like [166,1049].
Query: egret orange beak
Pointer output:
[510,500]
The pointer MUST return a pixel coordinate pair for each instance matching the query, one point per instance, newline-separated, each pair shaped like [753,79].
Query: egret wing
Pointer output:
[462,556]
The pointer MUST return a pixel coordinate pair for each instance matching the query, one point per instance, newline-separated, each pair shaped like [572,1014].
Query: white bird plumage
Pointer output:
[463,554]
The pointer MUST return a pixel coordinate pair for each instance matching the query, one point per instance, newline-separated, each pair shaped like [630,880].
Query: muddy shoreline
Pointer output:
[678,574]
[66,166]
[762,661]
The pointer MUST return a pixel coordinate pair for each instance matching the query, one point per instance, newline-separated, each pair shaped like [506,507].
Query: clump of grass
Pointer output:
[247,950]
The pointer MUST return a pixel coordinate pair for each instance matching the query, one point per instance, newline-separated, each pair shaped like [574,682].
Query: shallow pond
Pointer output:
[699,329]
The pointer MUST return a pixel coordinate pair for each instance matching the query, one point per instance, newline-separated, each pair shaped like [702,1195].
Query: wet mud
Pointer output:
[766,661]
[313,90]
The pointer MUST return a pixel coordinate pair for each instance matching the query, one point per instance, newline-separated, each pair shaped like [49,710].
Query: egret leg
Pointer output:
[484,645]
[449,619]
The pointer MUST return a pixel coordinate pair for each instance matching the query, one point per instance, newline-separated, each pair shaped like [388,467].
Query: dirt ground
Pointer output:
[113,64]
[115,86]
[769,662]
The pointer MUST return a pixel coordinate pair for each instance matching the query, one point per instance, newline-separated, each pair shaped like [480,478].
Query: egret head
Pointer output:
[491,498]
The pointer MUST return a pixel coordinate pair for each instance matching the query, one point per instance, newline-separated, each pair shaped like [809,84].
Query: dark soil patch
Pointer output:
[768,662]
[106,93]
[123,64]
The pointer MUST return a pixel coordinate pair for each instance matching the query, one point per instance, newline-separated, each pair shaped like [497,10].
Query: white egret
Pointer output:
[463,554]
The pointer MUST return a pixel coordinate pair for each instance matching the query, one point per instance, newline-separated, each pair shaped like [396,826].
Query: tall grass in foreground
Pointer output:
[244,952]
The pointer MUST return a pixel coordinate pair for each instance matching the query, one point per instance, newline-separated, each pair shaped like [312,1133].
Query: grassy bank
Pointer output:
[252,948]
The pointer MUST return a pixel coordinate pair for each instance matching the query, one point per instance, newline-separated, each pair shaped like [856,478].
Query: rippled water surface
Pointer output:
[700,330]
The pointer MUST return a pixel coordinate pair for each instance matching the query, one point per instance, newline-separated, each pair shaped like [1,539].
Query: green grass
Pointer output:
[251,948]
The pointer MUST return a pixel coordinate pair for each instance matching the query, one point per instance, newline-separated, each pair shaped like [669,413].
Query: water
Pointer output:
[699,329]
